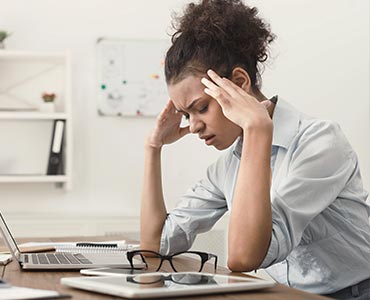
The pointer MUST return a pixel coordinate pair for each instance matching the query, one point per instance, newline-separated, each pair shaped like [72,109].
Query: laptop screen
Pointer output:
[8,238]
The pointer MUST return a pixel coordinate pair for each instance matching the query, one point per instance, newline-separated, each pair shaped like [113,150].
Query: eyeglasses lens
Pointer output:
[190,279]
[187,262]
[153,261]
[184,279]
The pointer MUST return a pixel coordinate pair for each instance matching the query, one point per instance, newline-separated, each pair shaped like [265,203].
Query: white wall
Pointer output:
[321,65]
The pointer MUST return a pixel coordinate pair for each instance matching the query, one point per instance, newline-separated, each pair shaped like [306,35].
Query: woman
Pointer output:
[291,182]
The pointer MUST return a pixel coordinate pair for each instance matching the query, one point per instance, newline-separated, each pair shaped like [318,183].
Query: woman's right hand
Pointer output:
[167,129]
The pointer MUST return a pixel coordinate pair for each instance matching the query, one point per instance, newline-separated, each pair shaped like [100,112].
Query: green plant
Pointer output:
[48,97]
[3,35]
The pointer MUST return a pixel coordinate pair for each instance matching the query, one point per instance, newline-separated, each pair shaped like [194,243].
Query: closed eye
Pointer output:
[204,109]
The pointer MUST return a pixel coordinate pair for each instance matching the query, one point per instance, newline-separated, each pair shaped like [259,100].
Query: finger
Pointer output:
[218,95]
[215,92]
[209,84]
[171,106]
[230,87]
[184,131]
[161,114]
[168,109]
[162,117]
[266,103]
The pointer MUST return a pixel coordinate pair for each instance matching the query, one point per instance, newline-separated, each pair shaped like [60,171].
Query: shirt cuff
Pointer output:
[173,239]
[163,245]
[272,253]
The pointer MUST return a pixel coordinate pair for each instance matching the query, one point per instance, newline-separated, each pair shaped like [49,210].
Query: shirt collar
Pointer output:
[286,121]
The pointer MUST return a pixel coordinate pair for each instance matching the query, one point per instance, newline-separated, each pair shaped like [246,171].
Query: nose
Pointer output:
[195,125]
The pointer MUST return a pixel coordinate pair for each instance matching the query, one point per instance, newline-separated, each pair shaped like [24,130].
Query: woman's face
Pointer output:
[204,114]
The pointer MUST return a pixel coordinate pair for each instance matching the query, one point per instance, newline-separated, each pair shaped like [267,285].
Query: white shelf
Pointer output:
[14,55]
[32,178]
[24,76]
[22,115]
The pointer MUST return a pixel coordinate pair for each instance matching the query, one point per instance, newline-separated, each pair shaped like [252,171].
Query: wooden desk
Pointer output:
[51,280]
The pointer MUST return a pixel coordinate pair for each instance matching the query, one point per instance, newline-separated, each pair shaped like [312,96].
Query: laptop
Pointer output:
[161,285]
[63,260]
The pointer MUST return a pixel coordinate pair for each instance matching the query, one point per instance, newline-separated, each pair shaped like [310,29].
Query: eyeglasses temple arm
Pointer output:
[144,261]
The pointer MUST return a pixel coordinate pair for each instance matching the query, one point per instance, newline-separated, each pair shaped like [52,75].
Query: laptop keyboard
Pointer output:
[57,259]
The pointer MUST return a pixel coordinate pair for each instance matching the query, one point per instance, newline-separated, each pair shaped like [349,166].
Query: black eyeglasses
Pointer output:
[178,278]
[185,261]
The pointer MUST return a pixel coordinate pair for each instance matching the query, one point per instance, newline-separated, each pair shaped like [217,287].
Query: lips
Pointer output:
[208,139]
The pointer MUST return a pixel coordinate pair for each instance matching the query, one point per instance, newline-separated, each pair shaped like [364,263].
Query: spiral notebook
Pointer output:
[87,247]
[92,247]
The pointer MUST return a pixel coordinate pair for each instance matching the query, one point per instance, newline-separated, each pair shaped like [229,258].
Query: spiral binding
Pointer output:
[87,247]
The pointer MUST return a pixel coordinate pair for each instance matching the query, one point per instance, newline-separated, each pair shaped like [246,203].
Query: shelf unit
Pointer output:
[24,76]
[32,116]
[33,178]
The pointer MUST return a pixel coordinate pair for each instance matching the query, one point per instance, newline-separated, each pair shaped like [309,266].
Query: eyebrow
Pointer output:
[189,106]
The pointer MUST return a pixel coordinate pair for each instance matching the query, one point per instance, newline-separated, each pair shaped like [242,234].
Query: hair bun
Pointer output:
[227,29]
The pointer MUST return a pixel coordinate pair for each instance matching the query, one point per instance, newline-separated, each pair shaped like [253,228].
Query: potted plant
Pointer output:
[3,36]
[48,102]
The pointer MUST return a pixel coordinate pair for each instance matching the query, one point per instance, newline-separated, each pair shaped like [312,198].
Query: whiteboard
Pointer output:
[131,77]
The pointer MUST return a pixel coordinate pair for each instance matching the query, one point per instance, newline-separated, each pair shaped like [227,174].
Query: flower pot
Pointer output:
[47,107]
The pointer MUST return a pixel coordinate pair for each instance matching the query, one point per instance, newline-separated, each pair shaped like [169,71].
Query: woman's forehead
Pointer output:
[186,91]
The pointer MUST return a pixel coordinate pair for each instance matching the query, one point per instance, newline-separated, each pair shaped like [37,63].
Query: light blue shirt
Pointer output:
[321,234]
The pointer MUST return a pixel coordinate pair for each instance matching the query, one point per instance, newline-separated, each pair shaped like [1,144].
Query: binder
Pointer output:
[55,161]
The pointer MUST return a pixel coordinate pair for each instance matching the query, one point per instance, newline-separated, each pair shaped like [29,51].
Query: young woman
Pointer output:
[291,182]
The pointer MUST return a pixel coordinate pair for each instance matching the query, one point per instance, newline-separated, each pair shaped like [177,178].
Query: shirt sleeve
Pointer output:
[320,165]
[198,210]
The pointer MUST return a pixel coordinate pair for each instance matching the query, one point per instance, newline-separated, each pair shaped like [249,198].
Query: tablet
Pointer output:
[155,285]
[110,271]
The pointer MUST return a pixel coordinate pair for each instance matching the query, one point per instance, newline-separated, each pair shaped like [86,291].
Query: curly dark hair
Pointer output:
[218,35]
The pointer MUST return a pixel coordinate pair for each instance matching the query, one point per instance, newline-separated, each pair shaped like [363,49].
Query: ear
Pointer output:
[241,78]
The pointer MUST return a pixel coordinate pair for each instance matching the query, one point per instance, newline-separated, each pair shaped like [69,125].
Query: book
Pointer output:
[55,165]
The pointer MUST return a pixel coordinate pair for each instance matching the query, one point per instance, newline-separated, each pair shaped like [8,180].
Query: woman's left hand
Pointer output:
[237,105]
